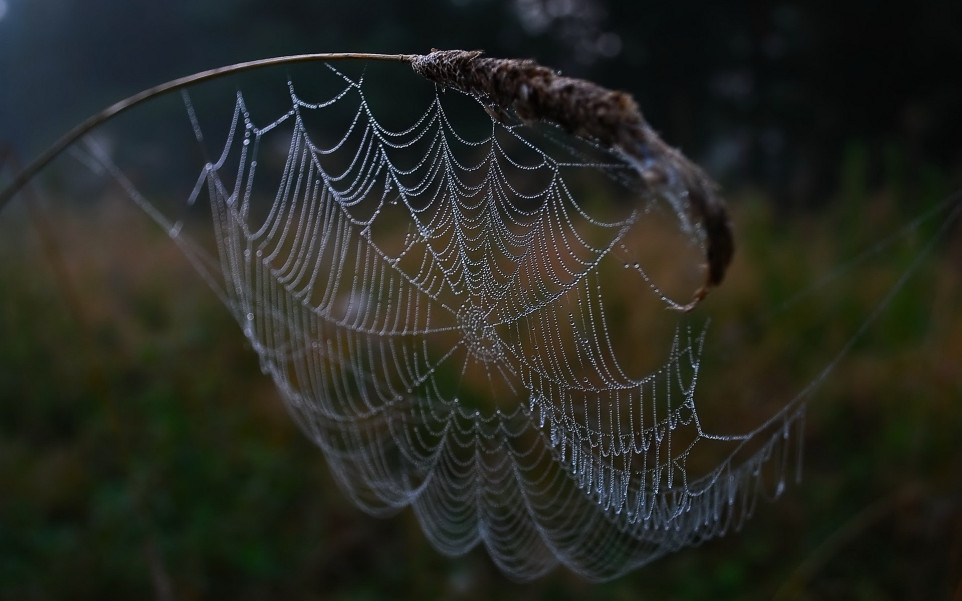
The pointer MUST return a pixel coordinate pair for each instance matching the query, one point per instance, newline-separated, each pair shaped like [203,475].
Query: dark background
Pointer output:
[144,455]
[772,94]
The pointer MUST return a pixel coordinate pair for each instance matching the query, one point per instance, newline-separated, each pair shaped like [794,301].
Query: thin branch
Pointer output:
[95,120]
[535,93]
[612,118]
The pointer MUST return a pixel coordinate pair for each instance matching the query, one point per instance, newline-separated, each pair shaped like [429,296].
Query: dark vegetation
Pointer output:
[141,450]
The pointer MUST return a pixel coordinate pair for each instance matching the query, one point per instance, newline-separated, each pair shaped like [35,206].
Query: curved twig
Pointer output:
[534,93]
[108,113]
[609,117]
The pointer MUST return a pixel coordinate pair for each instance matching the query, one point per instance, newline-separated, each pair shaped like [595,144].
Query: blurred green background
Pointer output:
[144,455]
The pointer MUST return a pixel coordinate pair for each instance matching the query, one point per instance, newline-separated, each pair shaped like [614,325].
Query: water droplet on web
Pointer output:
[477,311]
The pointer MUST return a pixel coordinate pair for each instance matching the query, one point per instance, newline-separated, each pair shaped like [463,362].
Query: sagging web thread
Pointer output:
[435,310]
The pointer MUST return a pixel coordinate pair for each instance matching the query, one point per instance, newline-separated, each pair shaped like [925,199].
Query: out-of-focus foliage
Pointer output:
[142,451]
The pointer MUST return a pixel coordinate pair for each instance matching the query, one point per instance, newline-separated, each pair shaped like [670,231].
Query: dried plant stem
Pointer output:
[534,93]
[108,113]
[611,118]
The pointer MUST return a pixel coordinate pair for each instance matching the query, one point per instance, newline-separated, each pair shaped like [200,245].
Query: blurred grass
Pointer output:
[143,454]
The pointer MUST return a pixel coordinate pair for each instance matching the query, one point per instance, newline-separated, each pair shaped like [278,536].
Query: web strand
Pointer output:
[440,324]
[451,309]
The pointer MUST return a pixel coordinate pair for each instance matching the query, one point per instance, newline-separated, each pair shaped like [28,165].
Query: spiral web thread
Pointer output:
[435,311]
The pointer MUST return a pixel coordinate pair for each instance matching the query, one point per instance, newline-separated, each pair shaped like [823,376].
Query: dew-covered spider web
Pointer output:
[471,314]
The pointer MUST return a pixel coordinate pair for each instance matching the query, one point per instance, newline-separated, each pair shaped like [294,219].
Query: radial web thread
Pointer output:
[447,315]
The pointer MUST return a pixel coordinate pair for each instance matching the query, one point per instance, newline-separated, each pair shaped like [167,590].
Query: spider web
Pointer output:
[450,311]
